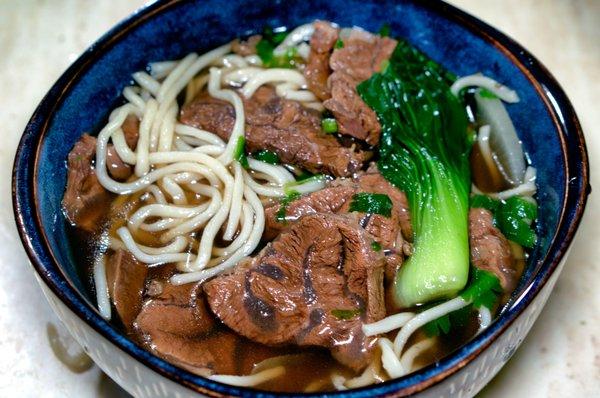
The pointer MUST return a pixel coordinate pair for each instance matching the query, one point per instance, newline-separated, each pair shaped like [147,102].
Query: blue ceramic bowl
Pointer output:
[82,97]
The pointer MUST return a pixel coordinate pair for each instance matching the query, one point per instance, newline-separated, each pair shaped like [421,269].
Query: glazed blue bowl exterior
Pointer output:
[82,98]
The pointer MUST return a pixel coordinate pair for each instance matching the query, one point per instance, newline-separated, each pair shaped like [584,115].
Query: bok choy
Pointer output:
[424,151]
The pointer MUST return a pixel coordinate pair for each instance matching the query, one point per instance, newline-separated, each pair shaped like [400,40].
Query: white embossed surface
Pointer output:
[39,39]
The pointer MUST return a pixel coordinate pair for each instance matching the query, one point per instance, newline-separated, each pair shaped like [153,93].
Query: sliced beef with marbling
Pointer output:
[490,250]
[126,279]
[327,200]
[85,201]
[393,233]
[361,56]
[317,68]
[315,285]
[176,324]
[285,127]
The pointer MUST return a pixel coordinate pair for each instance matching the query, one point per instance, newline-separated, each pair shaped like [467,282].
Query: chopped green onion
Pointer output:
[239,153]
[329,125]
[385,30]
[485,93]
[266,156]
[376,246]
[338,44]
[374,203]
[266,46]
[297,185]
[484,202]
[513,217]
[345,315]
[283,203]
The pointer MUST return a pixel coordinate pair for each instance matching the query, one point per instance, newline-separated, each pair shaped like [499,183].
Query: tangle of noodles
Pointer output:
[172,160]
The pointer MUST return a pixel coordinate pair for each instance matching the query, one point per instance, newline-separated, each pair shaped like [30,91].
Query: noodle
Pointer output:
[101,284]
[251,380]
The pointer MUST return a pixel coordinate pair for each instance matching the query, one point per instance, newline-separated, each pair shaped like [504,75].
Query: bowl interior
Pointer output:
[191,27]
[170,31]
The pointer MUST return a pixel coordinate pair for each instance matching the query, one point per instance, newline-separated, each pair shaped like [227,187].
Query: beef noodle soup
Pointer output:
[323,203]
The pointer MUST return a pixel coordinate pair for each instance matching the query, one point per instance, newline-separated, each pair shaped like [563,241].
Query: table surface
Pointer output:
[39,39]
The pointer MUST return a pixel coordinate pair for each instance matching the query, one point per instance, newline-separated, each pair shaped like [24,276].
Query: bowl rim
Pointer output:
[33,237]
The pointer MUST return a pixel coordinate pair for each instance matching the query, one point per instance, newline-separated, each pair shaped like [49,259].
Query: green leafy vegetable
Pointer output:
[443,325]
[305,175]
[329,125]
[283,203]
[289,187]
[376,246]
[374,203]
[424,151]
[483,290]
[338,44]
[385,30]
[266,156]
[513,217]
[239,153]
[484,202]
[266,46]
[345,315]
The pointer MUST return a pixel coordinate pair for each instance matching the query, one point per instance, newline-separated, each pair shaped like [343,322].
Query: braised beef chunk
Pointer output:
[131,130]
[490,250]
[360,57]
[118,169]
[126,278]
[85,201]
[328,200]
[354,117]
[314,285]
[176,324]
[317,68]
[362,54]
[386,229]
[279,125]
[392,233]
[245,47]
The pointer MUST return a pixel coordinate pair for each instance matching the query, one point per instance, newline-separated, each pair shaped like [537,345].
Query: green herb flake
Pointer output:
[266,156]
[384,65]
[281,215]
[484,202]
[385,30]
[376,246]
[329,125]
[374,203]
[346,315]
[338,44]
[485,93]
[304,175]
[266,46]
[514,219]
[483,289]
[455,320]
[239,153]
